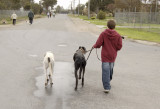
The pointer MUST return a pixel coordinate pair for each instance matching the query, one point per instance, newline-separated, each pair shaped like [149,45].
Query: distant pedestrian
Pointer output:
[53,14]
[30,16]
[48,14]
[14,17]
[111,42]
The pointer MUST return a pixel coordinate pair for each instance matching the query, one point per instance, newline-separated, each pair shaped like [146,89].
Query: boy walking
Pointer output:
[111,42]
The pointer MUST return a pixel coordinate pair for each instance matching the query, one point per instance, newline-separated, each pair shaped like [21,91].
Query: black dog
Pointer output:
[79,64]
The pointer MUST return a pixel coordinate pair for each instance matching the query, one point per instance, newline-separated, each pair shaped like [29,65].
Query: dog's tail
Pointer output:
[49,60]
[50,65]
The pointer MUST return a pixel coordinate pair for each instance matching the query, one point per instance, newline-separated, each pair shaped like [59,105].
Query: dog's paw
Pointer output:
[82,84]
[79,77]
[51,84]
[46,84]
[49,76]
[75,89]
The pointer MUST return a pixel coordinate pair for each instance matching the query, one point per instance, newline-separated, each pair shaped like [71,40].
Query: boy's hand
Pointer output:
[122,37]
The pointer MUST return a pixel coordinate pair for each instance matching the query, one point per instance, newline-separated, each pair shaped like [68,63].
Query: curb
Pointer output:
[145,42]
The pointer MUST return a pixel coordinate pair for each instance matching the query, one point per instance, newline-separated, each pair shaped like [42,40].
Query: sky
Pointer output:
[67,3]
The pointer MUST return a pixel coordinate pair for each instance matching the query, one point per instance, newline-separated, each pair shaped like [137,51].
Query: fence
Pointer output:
[8,13]
[149,21]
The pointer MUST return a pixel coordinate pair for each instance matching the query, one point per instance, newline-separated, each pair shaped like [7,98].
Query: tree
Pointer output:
[24,2]
[93,5]
[154,5]
[104,3]
[47,3]
[41,10]
[27,6]
[81,7]
[10,4]
[96,5]
[111,8]
[36,8]
[59,9]
[2,6]
[15,4]
[128,5]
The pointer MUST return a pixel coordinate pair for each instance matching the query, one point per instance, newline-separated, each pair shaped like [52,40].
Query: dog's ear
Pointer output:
[80,47]
[84,49]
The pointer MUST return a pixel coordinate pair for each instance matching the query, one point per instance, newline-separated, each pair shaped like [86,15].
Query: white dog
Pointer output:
[48,63]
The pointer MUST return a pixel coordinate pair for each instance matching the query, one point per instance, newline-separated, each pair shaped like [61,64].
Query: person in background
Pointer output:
[14,17]
[53,14]
[30,16]
[111,43]
[48,14]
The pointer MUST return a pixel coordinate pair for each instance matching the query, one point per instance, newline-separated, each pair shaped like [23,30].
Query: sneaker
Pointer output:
[106,91]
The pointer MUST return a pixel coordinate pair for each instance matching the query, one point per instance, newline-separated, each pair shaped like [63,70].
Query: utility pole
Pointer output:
[71,8]
[74,6]
[156,5]
[78,7]
[88,9]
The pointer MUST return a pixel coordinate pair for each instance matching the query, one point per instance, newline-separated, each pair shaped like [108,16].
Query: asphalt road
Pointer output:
[135,84]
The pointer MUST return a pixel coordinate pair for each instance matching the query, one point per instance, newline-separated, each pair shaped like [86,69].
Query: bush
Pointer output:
[93,18]
[109,15]
[101,15]
[36,8]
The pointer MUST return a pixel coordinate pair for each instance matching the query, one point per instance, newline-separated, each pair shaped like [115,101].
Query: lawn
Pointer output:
[152,34]
[139,34]
[94,21]
[140,25]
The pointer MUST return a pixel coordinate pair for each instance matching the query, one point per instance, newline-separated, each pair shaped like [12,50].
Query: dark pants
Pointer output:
[30,20]
[14,21]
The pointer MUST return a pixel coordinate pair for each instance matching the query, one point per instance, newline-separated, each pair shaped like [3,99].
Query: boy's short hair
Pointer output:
[111,24]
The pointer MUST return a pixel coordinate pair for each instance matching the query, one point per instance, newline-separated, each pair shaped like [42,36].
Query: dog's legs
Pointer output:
[50,75]
[80,72]
[50,78]
[46,82]
[83,76]
[76,76]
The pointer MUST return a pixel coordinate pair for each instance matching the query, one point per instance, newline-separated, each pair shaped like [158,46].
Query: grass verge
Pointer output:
[94,21]
[139,34]
[132,33]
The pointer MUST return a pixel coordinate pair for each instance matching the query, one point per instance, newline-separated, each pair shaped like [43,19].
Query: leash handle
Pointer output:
[122,37]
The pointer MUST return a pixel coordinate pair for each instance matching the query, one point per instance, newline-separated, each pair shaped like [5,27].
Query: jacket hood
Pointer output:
[111,34]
